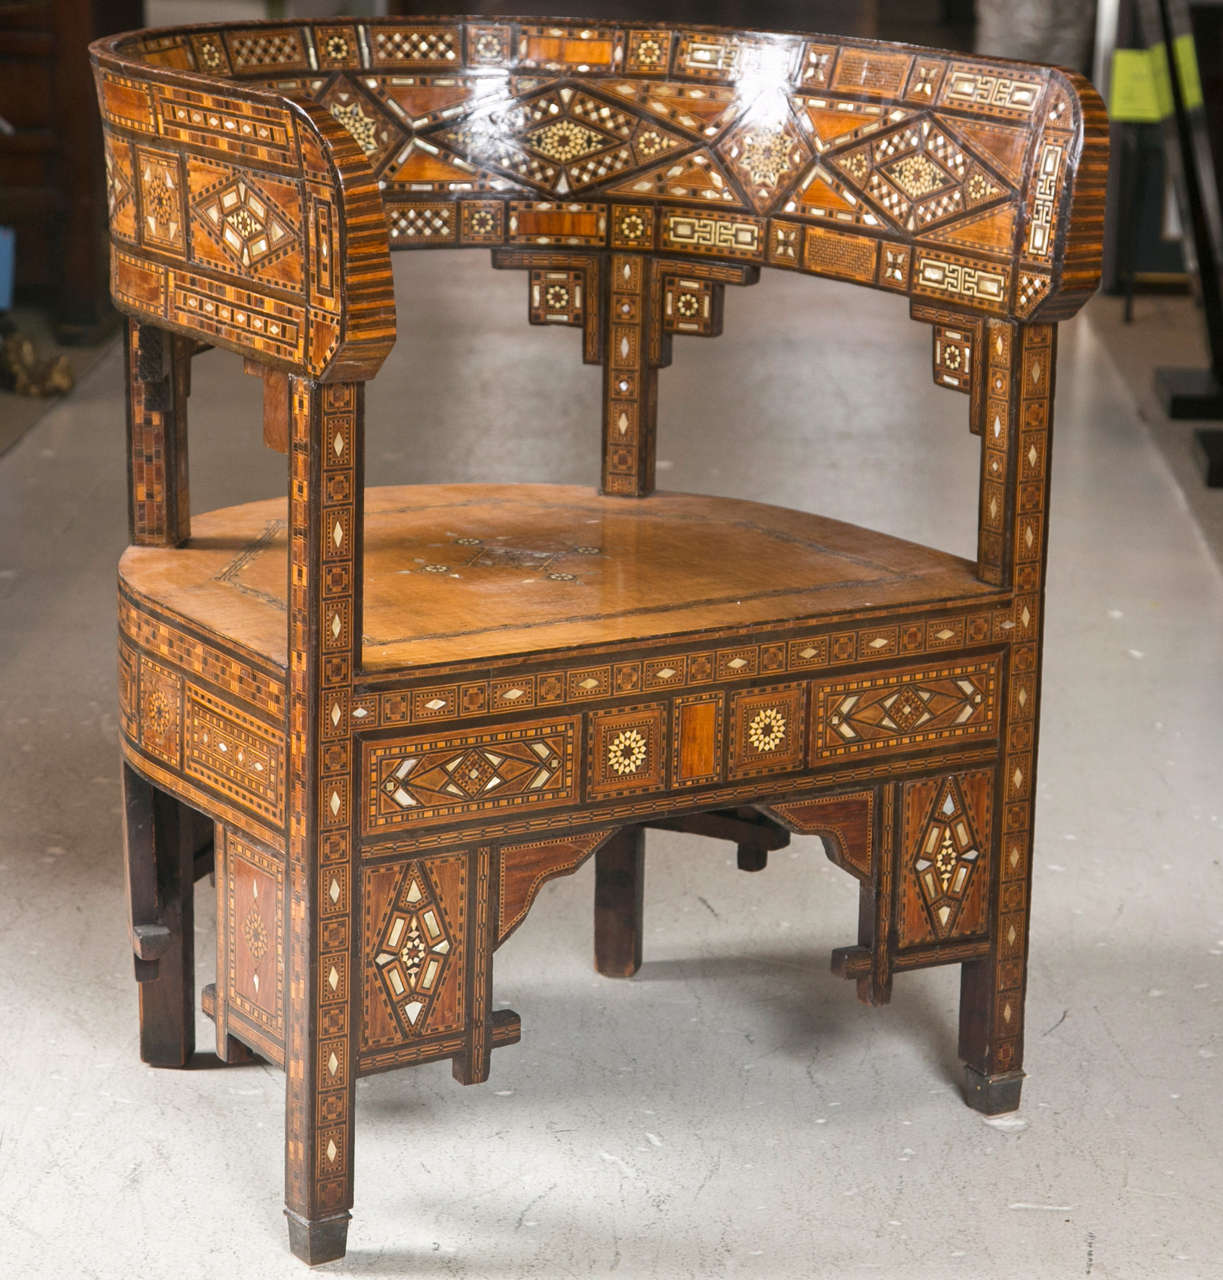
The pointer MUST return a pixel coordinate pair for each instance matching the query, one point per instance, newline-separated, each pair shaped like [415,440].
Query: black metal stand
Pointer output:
[1189,393]
[1192,393]
[1210,446]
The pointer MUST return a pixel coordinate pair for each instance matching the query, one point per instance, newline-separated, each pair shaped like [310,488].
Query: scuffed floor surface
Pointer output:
[733,1111]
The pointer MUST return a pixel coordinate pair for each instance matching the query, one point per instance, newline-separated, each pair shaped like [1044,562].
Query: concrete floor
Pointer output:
[733,1110]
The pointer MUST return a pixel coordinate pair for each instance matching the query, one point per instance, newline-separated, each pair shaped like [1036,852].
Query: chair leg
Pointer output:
[318,1160]
[471,1065]
[619,886]
[751,857]
[318,1240]
[992,988]
[159,835]
[993,1077]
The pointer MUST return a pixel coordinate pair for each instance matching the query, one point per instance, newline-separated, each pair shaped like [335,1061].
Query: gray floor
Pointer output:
[733,1111]
[1167,330]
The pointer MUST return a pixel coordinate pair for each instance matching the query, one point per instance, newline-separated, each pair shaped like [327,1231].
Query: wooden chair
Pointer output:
[395,761]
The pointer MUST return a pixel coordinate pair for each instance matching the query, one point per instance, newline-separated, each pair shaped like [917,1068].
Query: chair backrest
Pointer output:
[258,174]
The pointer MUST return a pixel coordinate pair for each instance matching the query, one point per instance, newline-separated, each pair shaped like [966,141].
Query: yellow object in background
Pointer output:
[1139,88]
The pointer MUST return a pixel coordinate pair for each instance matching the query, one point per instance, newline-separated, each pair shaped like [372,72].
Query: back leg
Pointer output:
[619,892]
[160,838]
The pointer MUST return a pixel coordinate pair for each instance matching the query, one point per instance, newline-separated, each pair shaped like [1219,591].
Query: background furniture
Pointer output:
[52,188]
[406,709]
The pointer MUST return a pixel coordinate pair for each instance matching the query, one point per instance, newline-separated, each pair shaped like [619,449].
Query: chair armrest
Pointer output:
[1063,220]
[243,218]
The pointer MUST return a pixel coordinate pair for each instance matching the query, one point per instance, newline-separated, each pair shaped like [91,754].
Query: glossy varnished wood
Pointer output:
[407,709]
[456,572]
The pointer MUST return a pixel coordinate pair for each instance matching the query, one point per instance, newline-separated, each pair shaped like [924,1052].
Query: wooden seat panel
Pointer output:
[456,572]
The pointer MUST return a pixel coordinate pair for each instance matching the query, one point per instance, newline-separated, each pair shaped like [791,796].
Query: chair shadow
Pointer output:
[821,1007]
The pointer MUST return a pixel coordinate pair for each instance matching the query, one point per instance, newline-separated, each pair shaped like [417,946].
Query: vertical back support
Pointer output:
[158,381]
[630,381]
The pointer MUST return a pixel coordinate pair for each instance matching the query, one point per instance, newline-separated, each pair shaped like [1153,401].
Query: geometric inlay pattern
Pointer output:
[562,139]
[626,751]
[414,949]
[767,730]
[765,157]
[252,933]
[918,175]
[370,120]
[161,200]
[246,222]
[428,780]
[946,857]
[902,709]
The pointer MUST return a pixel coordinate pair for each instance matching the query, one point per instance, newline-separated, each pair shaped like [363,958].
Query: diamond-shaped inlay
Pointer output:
[946,856]
[765,151]
[332,1150]
[452,772]
[476,771]
[333,1063]
[907,709]
[413,948]
[333,978]
[566,141]
[917,176]
[247,223]
[333,890]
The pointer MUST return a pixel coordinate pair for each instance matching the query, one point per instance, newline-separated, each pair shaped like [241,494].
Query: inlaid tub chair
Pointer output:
[395,761]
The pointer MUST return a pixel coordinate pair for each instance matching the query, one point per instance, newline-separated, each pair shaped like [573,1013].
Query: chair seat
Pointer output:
[454,572]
